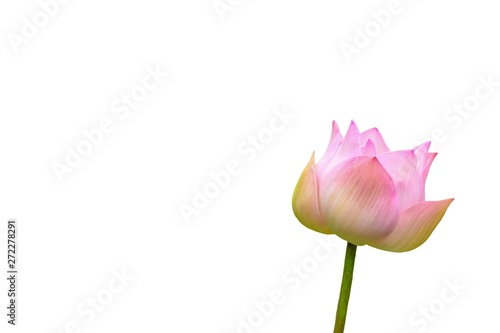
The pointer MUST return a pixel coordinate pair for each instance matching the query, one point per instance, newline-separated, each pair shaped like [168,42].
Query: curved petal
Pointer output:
[422,151]
[374,135]
[402,167]
[424,159]
[369,149]
[335,141]
[425,170]
[305,200]
[358,200]
[414,226]
[350,146]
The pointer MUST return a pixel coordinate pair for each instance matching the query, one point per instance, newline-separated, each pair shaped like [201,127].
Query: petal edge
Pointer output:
[414,227]
[305,200]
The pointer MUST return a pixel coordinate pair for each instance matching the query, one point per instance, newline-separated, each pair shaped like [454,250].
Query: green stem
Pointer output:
[345,288]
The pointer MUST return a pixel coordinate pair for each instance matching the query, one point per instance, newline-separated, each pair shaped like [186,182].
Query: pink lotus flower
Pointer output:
[366,194]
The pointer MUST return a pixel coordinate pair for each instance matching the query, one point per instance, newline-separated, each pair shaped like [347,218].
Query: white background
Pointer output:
[119,209]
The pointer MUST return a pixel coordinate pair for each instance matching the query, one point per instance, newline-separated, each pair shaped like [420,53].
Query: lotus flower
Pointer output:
[368,195]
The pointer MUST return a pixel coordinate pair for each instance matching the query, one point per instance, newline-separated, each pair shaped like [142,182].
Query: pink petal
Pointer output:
[374,135]
[427,166]
[358,200]
[305,200]
[335,141]
[368,149]
[414,226]
[402,167]
[421,151]
[350,146]
[424,159]
[425,169]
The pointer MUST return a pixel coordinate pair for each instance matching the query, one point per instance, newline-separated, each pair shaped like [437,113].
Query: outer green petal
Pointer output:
[305,200]
[414,226]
